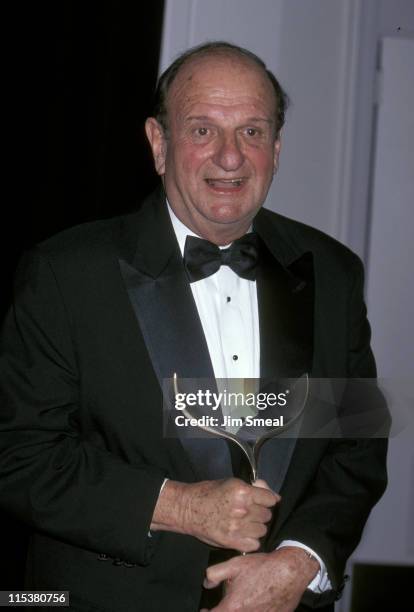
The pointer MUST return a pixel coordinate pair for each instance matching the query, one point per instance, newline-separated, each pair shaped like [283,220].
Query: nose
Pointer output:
[228,155]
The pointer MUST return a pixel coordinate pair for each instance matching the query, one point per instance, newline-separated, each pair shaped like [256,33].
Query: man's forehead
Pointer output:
[215,64]
[218,76]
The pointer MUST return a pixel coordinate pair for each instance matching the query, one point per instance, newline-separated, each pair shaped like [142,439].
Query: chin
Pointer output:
[230,209]
[226,214]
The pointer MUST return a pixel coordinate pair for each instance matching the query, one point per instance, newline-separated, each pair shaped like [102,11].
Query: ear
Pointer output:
[276,152]
[155,135]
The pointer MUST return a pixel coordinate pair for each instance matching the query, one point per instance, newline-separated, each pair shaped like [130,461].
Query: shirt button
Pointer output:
[235,357]
[228,299]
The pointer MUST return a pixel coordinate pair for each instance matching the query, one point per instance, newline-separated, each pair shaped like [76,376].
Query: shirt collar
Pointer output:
[182,231]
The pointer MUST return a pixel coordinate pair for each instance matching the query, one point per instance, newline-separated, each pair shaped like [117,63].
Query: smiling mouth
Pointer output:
[226,184]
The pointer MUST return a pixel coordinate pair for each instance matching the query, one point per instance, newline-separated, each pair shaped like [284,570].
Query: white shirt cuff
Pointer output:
[162,486]
[321,582]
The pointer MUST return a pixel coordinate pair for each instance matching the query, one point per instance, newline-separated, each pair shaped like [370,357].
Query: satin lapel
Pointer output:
[164,306]
[286,299]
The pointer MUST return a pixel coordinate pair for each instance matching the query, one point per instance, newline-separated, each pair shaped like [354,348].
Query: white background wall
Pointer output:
[326,54]
[389,535]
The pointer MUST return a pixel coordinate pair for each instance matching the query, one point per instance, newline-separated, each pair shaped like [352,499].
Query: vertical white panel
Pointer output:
[176,36]
[391,252]
[391,276]
[388,537]
[313,64]
[396,17]
[254,25]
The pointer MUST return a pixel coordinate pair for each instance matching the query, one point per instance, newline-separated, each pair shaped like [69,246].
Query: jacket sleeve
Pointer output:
[50,477]
[351,475]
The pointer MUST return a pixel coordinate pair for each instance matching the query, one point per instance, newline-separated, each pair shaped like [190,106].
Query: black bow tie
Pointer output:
[203,258]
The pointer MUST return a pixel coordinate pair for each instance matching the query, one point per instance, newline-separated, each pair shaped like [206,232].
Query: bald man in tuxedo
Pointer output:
[204,282]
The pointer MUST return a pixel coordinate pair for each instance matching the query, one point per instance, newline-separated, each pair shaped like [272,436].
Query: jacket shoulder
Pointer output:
[91,242]
[87,237]
[301,237]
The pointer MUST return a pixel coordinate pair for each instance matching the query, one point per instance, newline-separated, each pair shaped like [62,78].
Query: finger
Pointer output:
[251,531]
[210,584]
[248,545]
[261,483]
[260,514]
[265,497]
[219,572]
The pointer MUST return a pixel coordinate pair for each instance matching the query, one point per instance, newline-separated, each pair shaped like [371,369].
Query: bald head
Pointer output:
[216,144]
[185,65]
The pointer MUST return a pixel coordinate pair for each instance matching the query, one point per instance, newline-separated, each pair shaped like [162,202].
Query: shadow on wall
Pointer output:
[84,76]
[83,81]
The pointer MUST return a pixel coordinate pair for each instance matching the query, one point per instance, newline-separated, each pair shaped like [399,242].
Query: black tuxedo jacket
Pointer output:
[102,313]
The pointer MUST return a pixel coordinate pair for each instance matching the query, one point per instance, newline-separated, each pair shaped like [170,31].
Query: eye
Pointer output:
[202,134]
[252,131]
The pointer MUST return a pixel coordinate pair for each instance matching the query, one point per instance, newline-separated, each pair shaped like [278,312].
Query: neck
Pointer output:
[224,238]
[220,234]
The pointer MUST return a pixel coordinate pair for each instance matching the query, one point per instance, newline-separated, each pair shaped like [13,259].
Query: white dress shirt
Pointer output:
[228,310]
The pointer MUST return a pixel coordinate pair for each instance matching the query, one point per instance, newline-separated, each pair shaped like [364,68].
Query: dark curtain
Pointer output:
[82,83]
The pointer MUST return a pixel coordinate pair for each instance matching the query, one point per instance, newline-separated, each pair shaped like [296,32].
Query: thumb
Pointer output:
[218,573]
[262,484]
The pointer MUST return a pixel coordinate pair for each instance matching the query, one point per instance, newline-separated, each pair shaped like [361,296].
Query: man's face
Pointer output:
[219,155]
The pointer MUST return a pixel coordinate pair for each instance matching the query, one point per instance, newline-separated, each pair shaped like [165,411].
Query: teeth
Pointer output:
[235,182]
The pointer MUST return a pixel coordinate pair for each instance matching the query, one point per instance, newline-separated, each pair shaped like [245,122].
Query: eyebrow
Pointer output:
[248,120]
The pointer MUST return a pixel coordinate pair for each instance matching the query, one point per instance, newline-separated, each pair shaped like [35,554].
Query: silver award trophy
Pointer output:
[264,424]
[255,428]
